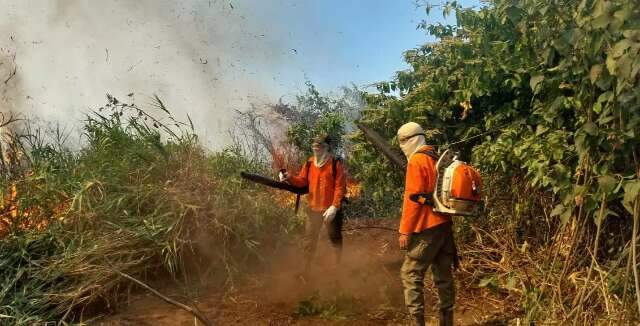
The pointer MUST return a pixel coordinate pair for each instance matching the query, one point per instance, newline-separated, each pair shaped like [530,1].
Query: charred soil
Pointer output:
[364,290]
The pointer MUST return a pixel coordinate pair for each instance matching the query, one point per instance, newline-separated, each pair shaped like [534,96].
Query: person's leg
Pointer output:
[312,225]
[334,230]
[443,278]
[412,274]
[419,256]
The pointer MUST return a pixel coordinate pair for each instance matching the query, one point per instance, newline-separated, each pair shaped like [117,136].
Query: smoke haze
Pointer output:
[202,58]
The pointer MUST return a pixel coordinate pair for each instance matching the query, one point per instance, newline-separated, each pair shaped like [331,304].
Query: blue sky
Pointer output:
[342,42]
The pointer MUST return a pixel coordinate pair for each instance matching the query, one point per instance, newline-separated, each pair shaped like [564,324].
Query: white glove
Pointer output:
[330,214]
[283,175]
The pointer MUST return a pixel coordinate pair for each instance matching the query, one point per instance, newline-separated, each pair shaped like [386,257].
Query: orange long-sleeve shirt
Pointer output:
[421,177]
[324,189]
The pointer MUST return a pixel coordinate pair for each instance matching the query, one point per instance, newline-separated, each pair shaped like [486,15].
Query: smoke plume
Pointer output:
[203,58]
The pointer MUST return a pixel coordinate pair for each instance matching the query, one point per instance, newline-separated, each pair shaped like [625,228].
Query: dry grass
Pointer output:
[132,200]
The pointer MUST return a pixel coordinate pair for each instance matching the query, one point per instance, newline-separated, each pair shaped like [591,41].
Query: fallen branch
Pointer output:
[369,227]
[191,310]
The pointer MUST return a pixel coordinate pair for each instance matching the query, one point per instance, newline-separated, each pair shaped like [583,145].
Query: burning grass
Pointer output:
[136,198]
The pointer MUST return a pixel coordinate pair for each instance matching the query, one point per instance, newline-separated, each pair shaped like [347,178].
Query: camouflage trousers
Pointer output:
[312,226]
[433,247]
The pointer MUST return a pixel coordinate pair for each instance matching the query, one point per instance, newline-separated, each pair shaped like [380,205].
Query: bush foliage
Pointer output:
[540,95]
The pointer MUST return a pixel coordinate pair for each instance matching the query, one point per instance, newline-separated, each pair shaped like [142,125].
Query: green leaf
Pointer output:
[604,82]
[559,209]
[632,34]
[611,64]
[549,55]
[512,281]
[535,81]
[619,48]
[514,14]
[605,97]
[600,22]
[603,120]
[571,36]
[610,212]
[558,153]
[581,142]
[622,14]
[631,191]
[590,128]
[550,115]
[488,281]
[607,183]
[558,102]
[565,216]
[623,64]
[596,43]
[541,129]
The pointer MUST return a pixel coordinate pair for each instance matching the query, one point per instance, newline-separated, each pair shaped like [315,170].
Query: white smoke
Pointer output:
[202,58]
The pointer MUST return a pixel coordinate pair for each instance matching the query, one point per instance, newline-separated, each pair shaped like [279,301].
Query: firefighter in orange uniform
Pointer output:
[426,235]
[325,176]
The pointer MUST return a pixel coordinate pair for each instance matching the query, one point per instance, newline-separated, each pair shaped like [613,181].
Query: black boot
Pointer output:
[446,317]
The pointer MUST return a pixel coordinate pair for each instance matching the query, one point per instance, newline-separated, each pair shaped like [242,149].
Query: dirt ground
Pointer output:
[364,290]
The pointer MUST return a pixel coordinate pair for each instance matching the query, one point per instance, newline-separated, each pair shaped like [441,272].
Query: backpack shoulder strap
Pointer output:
[307,164]
[335,163]
[430,153]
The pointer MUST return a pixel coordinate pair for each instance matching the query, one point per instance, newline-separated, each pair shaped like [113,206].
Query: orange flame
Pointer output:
[353,188]
[31,217]
[285,156]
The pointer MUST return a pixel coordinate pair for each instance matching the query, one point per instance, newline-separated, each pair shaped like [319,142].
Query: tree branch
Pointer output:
[189,309]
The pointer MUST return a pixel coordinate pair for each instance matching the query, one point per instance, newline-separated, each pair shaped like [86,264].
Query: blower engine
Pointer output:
[458,186]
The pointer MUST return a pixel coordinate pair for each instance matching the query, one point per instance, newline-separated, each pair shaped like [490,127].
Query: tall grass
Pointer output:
[141,196]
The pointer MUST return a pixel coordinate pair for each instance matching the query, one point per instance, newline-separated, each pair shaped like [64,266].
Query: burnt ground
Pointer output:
[364,290]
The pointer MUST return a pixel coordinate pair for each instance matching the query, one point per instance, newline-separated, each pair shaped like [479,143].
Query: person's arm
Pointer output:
[300,180]
[415,182]
[340,185]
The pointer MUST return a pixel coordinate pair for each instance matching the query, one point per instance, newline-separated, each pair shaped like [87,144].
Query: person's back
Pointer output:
[420,178]
[426,235]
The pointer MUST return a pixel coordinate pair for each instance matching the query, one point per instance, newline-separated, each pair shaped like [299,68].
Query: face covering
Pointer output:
[414,138]
[411,145]
[321,155]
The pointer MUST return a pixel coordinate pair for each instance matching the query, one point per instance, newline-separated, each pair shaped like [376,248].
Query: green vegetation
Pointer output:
[544,95]
[338,307]
[142,197]
[315,113]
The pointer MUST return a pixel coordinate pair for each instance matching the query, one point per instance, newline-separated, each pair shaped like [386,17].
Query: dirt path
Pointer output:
[366,290]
